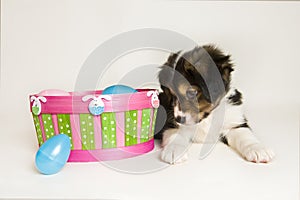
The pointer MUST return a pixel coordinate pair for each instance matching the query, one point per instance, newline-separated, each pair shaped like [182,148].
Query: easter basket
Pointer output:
[100,127]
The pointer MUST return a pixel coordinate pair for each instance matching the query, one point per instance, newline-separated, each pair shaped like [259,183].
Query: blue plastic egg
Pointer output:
[118,89]
[53,154]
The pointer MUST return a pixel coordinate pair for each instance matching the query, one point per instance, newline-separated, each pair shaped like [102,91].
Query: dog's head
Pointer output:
[194,83]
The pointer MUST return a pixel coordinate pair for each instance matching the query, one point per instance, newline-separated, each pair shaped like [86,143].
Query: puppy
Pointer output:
[196,98]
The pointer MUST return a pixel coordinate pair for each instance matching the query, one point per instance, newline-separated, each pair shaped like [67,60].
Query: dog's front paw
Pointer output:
[174,153]
[258,153]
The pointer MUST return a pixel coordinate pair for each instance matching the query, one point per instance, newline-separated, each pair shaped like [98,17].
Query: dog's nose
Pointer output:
[180,119]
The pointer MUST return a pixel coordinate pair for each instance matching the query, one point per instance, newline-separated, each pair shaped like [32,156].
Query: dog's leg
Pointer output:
[243,140]
[175,145]
[239,135]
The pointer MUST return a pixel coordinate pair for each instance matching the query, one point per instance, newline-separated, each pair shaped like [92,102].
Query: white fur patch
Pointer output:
[243,140]
[225,117]
[177,112]
[175,146]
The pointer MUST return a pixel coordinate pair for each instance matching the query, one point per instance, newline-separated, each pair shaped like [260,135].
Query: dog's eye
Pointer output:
[191,93]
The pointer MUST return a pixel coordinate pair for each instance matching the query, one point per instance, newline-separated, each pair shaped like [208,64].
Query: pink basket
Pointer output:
[123,127]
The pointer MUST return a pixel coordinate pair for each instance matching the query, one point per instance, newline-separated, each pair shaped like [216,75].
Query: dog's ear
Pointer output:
[166,73]
[222,61]
[166,96]
[203,69]
[172,59]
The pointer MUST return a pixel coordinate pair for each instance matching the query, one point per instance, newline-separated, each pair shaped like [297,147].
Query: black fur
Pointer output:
[244,125]
[165,116]
[223,139]
[236,98]
[205,115]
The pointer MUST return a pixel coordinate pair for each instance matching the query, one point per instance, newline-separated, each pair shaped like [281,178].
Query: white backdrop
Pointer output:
[44,44]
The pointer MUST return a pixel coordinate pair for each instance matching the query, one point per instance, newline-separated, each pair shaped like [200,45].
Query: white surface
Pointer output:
[55,37]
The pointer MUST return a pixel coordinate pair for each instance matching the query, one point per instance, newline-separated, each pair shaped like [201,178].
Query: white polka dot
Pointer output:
[143,129]
[90,124]
[69,131]
[84,136]
[113,136]
[134,121]
[60,120]
[61,127]
[47,130]
[143,122]
[105,128]
[134,128]
[105,142]
[127,139]
[134,114]
[147,126]
[128,119]
[113,142]
[49,118]
[127,125]
[105,136]
[112,122]
[148,120]
[113,129]
[92,141]
[144,115]
[83,122]
[127,133]
[45,122]
[84,142]
[90,117]
[134,136]
[83,129]
[51,126]
[70,139]
[67,125]
[52,133]
[47,136]
[104,118]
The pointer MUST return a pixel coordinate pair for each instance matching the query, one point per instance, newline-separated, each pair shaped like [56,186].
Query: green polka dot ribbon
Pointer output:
[130,128]
[108,126]
[108,121]
[87,131]
[38,129]
[153,123]
[64,126]
[48,125]
[145,128]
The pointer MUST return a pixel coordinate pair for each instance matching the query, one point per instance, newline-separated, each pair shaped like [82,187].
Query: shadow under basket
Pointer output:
[100,127]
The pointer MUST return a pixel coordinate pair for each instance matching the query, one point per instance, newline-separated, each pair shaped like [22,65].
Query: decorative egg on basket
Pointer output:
[118,89]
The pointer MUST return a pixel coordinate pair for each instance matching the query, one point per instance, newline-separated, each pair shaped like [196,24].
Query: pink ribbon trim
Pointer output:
[74,104]
[110,154]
